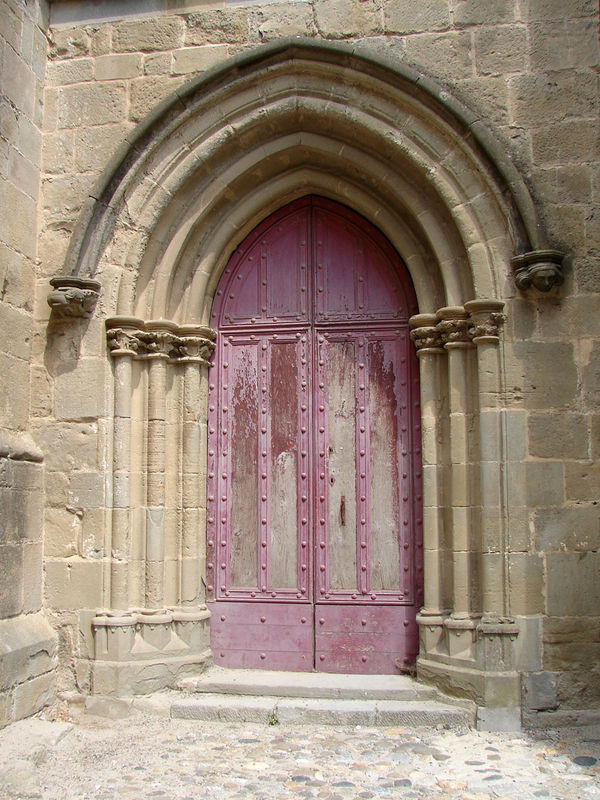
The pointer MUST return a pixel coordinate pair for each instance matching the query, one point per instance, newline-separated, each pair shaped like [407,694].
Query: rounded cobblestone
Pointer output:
[152,756]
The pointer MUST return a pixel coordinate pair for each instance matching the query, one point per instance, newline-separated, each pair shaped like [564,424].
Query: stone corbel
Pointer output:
[73,297]
[542,269]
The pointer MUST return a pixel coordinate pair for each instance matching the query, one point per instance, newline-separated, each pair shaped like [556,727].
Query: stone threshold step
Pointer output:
[320,711]
[220,680]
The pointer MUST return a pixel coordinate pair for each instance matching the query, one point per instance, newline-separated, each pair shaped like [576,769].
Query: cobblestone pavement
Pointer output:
[144,756]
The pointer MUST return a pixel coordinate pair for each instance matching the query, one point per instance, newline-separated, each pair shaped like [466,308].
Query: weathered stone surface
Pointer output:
[549,379]
[118,67]
[558,433]
[555,10]
[575,527]
[563,45]
[94,147]
[500,50]
[540,690]
[526,582]
[20,779]
[545,483]
[147,92]
[198,59]
[565,142]
[582,480]
[403,16]
[535,98]
[477,12]
[567,574]
[79,391]
[77,70]
[282,19]
[452,50]
[147,35]
[96,104]
[216,26]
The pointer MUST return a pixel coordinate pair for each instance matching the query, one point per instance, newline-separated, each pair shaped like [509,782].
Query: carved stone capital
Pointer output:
[486,320]
[541,269]
[122,335]
[73,297]
[159,339]
[424,333]
[453,325]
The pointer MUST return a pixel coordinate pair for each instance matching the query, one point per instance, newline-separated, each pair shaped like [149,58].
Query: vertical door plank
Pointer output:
[240,425]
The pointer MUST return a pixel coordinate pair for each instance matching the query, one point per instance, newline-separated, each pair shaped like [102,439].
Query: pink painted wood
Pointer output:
[314,483]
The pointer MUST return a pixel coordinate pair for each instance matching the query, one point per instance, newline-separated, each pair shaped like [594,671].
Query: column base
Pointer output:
[144,650]
[473,658]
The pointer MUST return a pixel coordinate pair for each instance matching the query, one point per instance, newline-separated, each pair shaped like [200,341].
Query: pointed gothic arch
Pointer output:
[215,159]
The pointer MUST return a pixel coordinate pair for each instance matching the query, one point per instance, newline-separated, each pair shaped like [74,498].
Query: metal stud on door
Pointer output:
[313,541]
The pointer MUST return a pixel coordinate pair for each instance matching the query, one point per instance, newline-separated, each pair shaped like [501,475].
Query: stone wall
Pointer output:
[527,69]
[27,643]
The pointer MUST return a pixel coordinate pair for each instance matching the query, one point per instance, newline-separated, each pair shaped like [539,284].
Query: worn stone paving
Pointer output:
[148,756]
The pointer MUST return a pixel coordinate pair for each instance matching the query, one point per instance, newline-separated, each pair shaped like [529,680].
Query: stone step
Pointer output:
[320,711]
[219,680]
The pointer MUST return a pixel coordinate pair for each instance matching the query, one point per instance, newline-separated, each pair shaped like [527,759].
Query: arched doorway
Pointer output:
[314,540]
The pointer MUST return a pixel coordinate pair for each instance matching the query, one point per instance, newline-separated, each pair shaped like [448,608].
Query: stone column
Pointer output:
[158,339]
[195,344]
[453,325]
[123,346]
[486,316]
[430,352]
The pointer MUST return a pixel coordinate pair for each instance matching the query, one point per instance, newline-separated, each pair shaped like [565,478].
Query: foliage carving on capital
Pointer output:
[453,325]
[426,337]
[142,340]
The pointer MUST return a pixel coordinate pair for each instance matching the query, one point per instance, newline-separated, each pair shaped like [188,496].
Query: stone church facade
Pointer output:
[143,146]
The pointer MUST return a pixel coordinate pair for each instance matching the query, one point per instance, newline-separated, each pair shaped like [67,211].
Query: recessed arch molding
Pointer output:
[216,158]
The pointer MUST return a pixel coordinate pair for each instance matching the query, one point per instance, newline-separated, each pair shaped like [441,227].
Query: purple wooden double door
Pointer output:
[314,546]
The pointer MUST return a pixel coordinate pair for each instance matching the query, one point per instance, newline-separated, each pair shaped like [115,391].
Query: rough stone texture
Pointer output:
[528,72]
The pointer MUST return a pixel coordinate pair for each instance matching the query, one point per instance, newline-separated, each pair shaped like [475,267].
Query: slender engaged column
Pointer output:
[122,345]
[486,321]
[196,345]
[427,341]
[453,325]
[158,339]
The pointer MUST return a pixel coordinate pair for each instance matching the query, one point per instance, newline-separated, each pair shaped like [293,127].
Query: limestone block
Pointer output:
[276,20]
[217,26]
[76,70]
[15,332]
[33,695]
[62,199]
[158,64]
[11,586]
[591,377]
[17,230]
[543,373]
[29,141]
[198,59]
[545,483]
[14,394]
[404,16]
[546,10]
[558,434]
[583,480]
[18,82]
[573,587]
[565,142]
[94,104]
[501,50]
[32,576]
[61,532]
[69,42]
[526,583]
[93,526]
[595,437]
[147,35]
[147,92]
[17,276]
[80,392]
[41,396]
[563,45]
[10,27]
[534,98]
[73,584]
[23,173]
[66,446]
[118,67]
[573,528]
[87,490]
[477,12]
[100,40]
[94,147]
